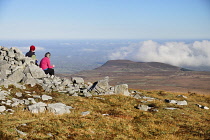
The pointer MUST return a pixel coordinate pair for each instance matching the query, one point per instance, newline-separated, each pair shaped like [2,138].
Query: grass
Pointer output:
[123,122]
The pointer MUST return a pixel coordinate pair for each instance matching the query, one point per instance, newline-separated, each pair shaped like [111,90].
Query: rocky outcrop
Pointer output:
[18,70]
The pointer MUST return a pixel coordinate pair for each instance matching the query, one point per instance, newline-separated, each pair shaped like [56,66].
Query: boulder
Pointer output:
[2,108]
[36,71]
[181,102]
[201,106]
[17,76]
[11,53]
[137,96]
[37,107]
[77,80]
[66,82]
[143,107]
[46,97]
[58,108]
[85,113]
[122,89]
[18,94]
[101,86]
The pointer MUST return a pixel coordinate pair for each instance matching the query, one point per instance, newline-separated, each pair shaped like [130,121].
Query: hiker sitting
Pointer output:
[45,64]
[31,54]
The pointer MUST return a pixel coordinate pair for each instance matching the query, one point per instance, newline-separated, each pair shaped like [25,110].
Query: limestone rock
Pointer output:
[77,80]
[143,107]
[201,106]
[170,108]
[46,97]
[18,94]
[122,89]
[2,108]
[181,102]
[37,108]
[17,76]
[36,72]
[85,113]
[58,108]
[101,86]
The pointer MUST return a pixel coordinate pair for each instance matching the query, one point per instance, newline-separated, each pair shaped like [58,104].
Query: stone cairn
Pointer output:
[18,70]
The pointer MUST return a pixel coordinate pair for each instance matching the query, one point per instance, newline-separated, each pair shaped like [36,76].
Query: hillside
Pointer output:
[150,76]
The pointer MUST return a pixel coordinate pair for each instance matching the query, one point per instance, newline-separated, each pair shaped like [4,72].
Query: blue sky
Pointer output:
[104,19]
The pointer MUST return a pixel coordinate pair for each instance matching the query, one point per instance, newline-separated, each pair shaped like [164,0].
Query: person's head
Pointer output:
[47,54]
[32,48]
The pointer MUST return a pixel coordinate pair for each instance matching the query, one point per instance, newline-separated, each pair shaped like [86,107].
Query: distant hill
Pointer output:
[127,65]
[150,76]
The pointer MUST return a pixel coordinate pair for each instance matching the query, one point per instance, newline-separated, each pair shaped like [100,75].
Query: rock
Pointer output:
[26,102]
[32,100]
[171,101]
[148,98]
[2,96]
[122,89]
[35,71]
[87,94]
[101,86]
[17,76]
[21,133]
[49,134]
[58,108]
[137,96]
[176,102]
[66,82]
[46,97]
[205,107]
[18,94]
[77,80]
[201,106]
[2,108]
[85,113]
[143,107]
[181,102]
[11,53]
[182,96]
[37,96]
[37,107]
[170,108]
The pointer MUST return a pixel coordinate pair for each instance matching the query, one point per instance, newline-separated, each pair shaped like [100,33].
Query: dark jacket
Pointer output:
[32,54]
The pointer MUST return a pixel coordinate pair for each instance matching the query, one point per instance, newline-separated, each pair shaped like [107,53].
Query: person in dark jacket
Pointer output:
[31,54]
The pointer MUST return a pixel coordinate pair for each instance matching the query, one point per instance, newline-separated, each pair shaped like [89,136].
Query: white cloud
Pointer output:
[26,49]
[175,53]
[89,50]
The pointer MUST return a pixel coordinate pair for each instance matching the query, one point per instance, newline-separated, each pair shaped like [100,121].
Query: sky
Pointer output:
[104,19]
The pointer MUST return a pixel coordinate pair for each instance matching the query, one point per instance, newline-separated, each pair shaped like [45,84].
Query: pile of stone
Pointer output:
[18,70]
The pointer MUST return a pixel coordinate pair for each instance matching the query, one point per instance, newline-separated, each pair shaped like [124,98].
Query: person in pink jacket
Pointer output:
[45,64]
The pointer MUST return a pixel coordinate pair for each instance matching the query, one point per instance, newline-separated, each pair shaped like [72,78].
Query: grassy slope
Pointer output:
[123,122]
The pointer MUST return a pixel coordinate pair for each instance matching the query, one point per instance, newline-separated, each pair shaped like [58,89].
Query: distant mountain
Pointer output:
[149,76]
[130,66]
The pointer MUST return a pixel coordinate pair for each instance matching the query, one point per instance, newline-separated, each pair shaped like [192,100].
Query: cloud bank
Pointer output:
[174,53]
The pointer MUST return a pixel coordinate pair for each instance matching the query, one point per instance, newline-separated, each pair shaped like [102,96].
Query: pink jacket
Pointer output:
[45,63]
